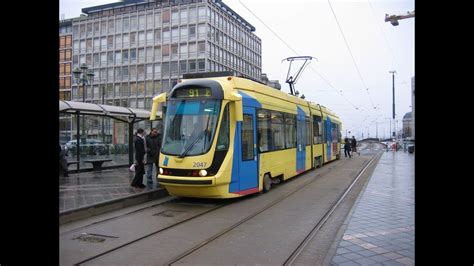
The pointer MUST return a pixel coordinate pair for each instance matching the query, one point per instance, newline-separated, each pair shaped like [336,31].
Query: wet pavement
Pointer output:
[381,228]
[91,188]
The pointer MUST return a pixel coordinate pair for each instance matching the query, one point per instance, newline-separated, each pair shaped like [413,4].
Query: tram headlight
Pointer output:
[202,172]
[161,171]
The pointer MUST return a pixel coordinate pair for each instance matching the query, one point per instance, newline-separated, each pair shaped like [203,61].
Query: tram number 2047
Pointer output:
[199,164]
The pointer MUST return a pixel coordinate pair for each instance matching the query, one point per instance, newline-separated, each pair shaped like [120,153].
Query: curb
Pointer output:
[111,205]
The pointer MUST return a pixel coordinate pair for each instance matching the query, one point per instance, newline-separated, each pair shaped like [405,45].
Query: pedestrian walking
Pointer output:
[354,145]
[139,144]
[153,144]
[347,148]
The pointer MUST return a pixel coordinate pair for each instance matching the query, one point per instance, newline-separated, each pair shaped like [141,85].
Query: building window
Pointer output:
[174,17]
[192,31]
[192,50]
[174,35]
[166,35]
[183,51]
[141,72]
[166,69]
[192,15]
[133,56]
[133,23]
[184,16]
[111,26]
[126,24]
[192,66]
[149,21]
[183,67]
[166,52]
[174,51]
[149,71]
[201,65]
[166,16]
[157,53]
[157,19]
[141,38]
[158,36]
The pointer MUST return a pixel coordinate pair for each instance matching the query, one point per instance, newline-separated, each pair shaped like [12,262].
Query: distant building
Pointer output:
[140,48]
[271,83]
[407,121]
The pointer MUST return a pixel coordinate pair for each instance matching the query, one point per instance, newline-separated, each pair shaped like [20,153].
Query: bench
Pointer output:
[97,163]
[72,162]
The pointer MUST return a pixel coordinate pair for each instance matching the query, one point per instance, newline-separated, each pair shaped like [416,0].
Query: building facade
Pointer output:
[65,76]
[140,48]
[407,121]
[65,59]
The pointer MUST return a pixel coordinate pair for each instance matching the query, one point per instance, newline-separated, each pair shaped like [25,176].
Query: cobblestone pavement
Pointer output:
[381,229]
[90,188]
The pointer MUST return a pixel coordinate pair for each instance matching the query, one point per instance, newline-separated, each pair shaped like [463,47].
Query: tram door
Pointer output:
[300,141]
[248,159]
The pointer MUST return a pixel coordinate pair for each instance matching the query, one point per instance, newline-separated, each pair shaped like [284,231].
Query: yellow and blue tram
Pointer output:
[227,137]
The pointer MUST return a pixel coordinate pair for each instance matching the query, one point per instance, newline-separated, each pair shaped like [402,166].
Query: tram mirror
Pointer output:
[237,99]
[239,111]
[156,101]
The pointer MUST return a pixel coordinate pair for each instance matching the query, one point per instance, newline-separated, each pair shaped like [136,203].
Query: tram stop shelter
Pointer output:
[128,116]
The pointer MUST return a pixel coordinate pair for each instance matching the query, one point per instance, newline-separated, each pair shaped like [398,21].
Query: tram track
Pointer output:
[203,243]
[306,240]
[294,255]
[153,232]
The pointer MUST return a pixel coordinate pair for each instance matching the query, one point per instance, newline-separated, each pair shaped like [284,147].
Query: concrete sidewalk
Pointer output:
[89,189]
[380,229]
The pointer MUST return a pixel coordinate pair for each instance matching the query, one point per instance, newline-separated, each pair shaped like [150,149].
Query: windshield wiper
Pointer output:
[190,146]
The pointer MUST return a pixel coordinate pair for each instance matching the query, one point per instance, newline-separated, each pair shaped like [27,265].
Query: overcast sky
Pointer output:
[309,27]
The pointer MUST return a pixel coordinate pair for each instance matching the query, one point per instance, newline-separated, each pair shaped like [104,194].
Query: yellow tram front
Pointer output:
[195,158]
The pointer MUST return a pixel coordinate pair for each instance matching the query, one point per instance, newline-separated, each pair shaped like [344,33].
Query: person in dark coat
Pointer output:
[347,148]
[153,145]
[354,145]
[139,144]
[63,163]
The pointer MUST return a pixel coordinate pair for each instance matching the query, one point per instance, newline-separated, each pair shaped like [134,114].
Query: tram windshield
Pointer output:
[190,126]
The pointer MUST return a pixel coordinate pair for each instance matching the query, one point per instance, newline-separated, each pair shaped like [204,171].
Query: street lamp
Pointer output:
[83,76]
[393,105]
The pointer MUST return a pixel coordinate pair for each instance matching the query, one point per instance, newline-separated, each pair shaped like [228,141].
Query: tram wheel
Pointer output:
[267,183]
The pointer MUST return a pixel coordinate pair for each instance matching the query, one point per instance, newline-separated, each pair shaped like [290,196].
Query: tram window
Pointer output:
[223,139]
[317,130]
[247,138]
[264,131]
[278,135]
[334,130]
[290,130]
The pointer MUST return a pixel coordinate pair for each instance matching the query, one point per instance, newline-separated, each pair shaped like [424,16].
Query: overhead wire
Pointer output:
[352,56]
[294,51]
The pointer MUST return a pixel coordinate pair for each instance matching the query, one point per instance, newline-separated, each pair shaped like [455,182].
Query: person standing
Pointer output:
[354,145]
[347,148]
[139,144]
[63,162]
[153,145]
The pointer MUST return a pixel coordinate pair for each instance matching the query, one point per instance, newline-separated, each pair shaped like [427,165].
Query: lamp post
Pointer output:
[83,76]
[393,103]
[103,134]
